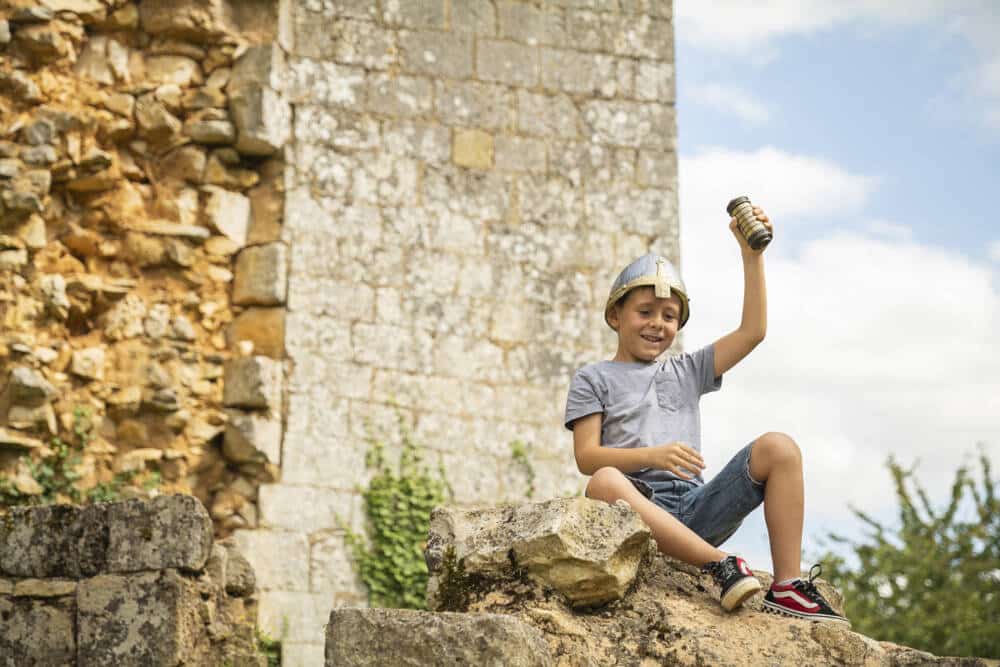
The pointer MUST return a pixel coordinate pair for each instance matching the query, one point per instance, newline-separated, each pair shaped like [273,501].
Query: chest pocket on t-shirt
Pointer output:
[670,394]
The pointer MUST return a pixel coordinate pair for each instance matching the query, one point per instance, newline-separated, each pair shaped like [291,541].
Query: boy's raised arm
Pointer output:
[733,347]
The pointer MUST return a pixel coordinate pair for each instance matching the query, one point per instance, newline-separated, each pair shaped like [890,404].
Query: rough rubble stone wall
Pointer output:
[140,208]
[138,582]
[464,179]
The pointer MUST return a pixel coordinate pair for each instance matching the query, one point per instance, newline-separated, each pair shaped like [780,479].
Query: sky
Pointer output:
[869,131]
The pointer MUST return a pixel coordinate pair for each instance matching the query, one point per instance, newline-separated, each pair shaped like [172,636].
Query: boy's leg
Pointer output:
[776,461]
[672,537]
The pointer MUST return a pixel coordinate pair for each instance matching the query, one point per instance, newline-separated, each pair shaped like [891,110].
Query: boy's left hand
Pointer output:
[745,248]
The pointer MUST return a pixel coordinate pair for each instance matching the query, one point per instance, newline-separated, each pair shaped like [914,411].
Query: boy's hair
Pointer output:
[651,270]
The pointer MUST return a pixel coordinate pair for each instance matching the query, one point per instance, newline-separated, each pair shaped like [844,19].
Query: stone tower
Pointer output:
[464,179]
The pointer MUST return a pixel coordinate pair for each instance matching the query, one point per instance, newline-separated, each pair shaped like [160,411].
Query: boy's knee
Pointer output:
[605,484]
[778,446]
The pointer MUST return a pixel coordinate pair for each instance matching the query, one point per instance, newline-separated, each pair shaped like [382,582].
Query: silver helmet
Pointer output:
[656,271]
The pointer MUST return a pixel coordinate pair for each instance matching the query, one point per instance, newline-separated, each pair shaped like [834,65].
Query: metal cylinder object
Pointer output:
[753,230]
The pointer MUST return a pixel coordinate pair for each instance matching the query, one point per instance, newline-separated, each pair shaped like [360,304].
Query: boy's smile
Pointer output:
[646,325]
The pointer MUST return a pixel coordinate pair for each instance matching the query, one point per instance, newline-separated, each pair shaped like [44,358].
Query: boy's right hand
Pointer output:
[677,458]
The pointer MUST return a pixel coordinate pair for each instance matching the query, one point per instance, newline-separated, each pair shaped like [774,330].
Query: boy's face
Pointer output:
[646,325]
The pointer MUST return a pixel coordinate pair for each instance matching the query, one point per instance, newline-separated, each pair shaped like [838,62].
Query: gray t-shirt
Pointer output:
[645,404]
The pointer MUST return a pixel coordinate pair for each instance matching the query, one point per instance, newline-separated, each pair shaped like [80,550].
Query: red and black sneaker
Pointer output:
[734,578]
[801,599]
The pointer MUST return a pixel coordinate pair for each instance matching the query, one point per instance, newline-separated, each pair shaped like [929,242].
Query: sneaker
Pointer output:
[734,578]
[801,599]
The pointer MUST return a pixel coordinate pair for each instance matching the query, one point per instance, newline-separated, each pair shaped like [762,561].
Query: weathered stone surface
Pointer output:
[198,21]
[227,212]
[11,440]
[54,541]
[27,386]
[240,579]
[263,120]
[586,549]
[252,382]
[147,618]
[171,531]
[473,149]
[38,631]
[252,437]
[263,327]
[358,637]
[261,275]
[44,588]
[88,363]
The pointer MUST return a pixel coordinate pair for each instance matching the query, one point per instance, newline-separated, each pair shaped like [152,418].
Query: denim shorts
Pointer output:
[713,510]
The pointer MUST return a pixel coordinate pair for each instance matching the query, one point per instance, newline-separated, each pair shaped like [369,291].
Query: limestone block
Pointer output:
[172,531]
[356,637]
[91,11]
[9,440]
[657,169]
[44,588]
[263,327]
[38,631]
[585,73]
[472,104]
[263,120]
[178,70]
[261,275]
[547,116]
[586,549]
[324,83]
[415,13]
[530,23]
[332,570]
[437,54]
[4,32]
[252,437]
[156,124]
[473,149]
[227,212]
[198,21]
[507,62]
[23,417]
[635,124]
[399,95]
[655,82]
[262,65]
[149,618]
[520,154]
[28,387]
[54,541]
[305,508]
[253,383]
[211,132]
[280,561]
[88,363]
[240,579]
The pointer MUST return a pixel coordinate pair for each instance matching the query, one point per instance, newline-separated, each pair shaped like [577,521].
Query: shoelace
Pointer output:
[808,587]
[720,570]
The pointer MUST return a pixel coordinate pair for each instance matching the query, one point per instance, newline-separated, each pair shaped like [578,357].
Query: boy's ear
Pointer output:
[613,315]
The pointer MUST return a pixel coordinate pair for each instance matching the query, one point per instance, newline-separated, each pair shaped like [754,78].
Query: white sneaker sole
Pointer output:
[818,618]
[738,594]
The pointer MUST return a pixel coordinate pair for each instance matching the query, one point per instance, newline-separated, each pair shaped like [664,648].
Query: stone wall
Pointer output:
[465,178]
[130,583]
[140,209]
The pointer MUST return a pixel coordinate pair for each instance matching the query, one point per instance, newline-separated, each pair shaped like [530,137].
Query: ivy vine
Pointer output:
[397,505]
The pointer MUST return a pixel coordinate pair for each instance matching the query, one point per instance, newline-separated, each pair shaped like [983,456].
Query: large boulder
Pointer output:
[587,550]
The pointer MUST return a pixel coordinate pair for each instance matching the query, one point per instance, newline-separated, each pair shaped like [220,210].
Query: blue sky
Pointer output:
[870,132]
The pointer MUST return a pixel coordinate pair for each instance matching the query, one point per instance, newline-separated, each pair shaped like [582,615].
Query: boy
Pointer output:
[636,431]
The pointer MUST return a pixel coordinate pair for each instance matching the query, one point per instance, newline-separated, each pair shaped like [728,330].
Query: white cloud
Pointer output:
[875,346]
[751,30]
[808,186]
[730,100]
